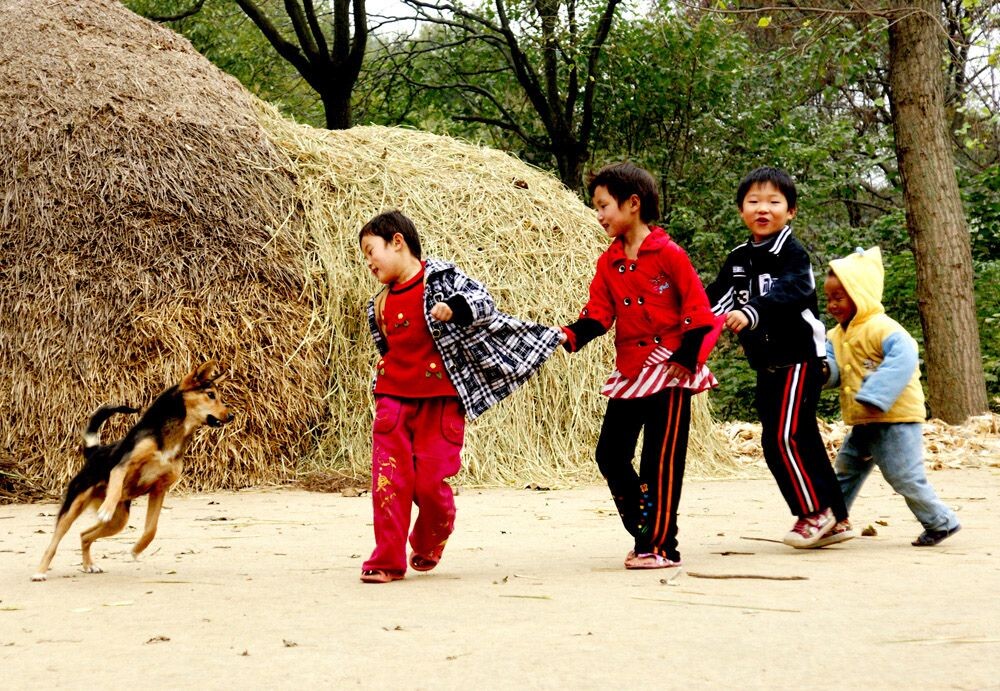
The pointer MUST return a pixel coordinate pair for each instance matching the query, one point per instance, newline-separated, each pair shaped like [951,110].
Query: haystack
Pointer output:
[156,214]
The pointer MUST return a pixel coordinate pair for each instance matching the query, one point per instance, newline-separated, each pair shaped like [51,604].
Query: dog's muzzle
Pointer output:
[213,421]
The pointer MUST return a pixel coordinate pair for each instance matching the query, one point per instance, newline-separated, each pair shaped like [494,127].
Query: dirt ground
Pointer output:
[260,589]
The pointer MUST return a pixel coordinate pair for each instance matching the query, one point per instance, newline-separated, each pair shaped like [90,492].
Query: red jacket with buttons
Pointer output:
[655,299]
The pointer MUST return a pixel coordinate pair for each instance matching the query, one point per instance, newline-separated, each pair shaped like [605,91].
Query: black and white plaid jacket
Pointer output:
[488,354]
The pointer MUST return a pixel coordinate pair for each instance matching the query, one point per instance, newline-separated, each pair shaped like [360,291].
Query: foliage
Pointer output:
[982,197]
[988,309]
[223,34]
[523,69]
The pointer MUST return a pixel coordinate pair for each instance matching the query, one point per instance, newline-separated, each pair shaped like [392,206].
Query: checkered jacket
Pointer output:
[487,359]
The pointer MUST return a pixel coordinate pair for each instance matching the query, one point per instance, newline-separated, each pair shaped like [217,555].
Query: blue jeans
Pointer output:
[898,450]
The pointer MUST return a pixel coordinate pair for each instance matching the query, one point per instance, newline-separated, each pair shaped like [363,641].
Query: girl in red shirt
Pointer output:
[664,329]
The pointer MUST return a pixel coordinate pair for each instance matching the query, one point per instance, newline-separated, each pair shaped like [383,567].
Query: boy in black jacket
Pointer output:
[767,292]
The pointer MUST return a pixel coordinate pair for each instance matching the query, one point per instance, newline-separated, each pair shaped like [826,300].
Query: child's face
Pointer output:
[765,210]
[386,260]
[838,303]
[616,219]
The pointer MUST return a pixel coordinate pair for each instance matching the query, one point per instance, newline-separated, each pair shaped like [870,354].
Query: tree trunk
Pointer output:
[336,107]
[934,216]
[570,160]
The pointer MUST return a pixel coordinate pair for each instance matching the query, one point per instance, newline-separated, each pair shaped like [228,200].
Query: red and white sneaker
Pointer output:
[810,529]
[839,533]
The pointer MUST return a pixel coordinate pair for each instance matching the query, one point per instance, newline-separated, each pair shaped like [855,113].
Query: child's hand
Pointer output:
[441,312]
[562,337]
[736,321]
[675,371]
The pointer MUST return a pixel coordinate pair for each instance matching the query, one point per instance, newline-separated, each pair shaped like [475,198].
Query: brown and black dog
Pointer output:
[147,460]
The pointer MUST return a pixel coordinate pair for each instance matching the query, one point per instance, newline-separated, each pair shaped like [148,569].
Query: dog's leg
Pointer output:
[102,529]
[114,496]
[152,517]
[63,524]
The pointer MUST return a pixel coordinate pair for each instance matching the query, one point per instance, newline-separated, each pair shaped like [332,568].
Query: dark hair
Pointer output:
[387,224]
[625,179]
[766,174]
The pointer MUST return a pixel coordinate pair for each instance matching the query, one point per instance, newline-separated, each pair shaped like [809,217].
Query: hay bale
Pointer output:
[140,202]
[155,213]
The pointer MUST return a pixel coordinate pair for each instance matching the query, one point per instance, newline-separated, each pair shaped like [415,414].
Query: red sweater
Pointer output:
[412,367]
[655,299]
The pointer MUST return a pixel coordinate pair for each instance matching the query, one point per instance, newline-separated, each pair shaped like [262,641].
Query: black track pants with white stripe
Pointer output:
[786,399]
[647,501]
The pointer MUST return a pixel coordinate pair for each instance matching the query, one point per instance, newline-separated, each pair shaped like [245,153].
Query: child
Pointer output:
[767,292]
[646,284]
[874,360]
[447,353]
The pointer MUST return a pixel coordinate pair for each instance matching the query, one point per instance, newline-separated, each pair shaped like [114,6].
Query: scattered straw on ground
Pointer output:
[975,444]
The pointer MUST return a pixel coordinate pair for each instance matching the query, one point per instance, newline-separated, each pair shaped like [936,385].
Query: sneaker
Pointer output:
[929,538]
[809,529]
[839,533]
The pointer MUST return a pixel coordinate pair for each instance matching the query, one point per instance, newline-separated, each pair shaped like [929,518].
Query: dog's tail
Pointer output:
[92,434]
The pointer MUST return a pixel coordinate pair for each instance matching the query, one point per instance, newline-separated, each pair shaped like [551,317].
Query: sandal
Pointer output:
[929,538]
[379,576]
[422,563]
[650,560]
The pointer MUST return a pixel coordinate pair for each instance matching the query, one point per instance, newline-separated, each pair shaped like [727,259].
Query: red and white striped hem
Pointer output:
[652,379]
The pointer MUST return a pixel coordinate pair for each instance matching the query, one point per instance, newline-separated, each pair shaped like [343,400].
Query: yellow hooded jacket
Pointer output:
[874,357]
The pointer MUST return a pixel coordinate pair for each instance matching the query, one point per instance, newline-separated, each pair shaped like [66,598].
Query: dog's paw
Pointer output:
[39,577]
[93,568]
[104,515]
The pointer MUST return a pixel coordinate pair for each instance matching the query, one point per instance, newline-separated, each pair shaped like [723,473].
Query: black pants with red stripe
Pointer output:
[647,500]
[786,399]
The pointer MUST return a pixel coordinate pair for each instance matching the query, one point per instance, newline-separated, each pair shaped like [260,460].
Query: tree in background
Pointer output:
[329,64]
[528,69]
[934,215]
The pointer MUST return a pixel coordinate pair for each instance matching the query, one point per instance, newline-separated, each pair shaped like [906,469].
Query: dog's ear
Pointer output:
[202,376]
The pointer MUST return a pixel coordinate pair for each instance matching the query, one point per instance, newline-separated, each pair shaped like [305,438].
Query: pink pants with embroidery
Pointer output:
[416,445]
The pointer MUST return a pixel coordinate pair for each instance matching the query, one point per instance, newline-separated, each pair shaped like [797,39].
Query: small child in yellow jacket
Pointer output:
[874,360]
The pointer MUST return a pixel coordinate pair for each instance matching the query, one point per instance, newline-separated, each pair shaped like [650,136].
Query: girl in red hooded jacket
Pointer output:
[664,328]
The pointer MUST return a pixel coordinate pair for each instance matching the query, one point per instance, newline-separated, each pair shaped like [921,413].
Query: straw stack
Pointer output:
[156,214]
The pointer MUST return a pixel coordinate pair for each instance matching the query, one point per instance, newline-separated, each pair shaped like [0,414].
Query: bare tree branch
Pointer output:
[191,11]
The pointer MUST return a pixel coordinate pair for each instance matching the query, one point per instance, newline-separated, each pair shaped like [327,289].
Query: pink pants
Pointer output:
[416,444]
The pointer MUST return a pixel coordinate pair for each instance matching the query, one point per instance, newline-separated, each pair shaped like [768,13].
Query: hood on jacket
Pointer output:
[863,278]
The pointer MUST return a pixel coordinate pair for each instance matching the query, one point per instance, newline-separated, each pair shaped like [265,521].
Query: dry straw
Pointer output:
[154,214]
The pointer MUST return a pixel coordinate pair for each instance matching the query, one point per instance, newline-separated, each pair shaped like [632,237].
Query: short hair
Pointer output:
[766,174]
[622,180]
[387,224]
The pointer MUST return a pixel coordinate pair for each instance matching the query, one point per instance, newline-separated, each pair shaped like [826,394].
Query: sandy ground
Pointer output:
[260,589]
